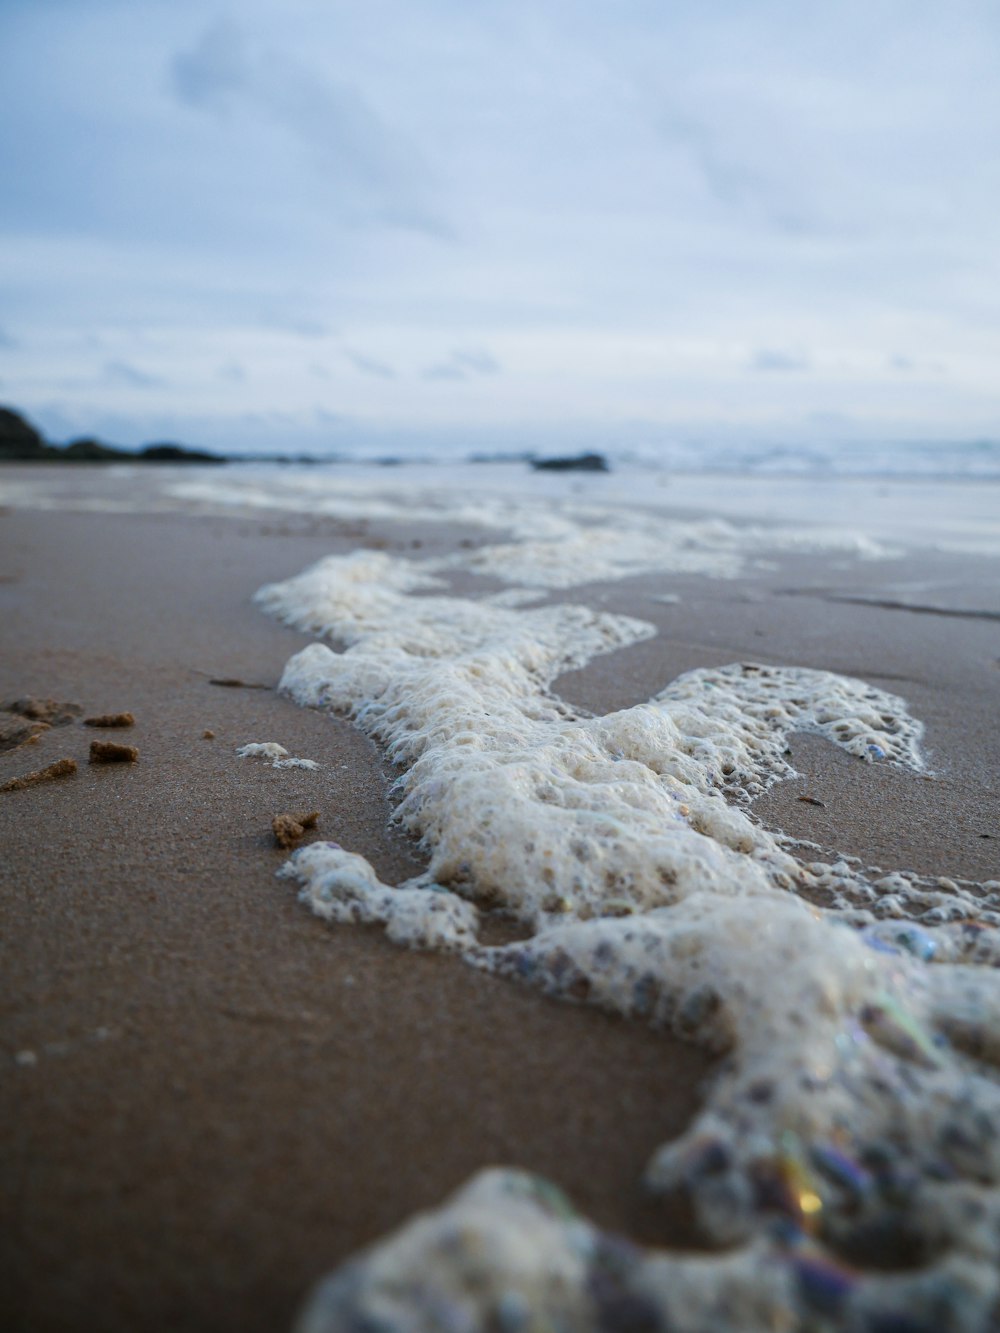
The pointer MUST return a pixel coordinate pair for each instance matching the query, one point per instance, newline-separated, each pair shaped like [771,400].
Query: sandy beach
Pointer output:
[499,668]
[211,1097]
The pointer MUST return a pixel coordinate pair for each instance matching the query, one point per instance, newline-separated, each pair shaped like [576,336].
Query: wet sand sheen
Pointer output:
[270,1094]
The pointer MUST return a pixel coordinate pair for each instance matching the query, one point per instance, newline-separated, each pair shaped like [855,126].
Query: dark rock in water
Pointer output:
[177,453]
[19,441]
[577,463]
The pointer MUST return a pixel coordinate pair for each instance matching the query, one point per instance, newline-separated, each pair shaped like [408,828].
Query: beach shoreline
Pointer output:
[227,1097]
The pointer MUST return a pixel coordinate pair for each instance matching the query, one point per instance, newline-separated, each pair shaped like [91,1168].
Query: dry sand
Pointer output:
[223,1096]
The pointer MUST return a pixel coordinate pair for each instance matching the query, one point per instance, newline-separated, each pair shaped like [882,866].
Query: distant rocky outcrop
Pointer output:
[89,450]
[576,463]
[20,442]
[177,453]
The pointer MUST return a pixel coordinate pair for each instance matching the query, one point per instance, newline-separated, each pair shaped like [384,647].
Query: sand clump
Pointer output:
[289,828]
[110,720]
[43,710]
[62,768]
[23,720]
[17,731]
[110,752]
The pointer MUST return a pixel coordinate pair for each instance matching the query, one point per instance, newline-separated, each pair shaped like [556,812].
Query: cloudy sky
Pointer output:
[307,223]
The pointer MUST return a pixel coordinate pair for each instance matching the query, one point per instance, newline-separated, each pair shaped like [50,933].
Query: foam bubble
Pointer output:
[507,1251]
[276,754]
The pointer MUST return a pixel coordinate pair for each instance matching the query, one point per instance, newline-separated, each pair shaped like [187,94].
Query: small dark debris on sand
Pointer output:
[811,800]
[208,734]
[234,683]
[289,828]
[110,720]
[110,752]
[22,721]
[15,731]
[43,710]
[62,768]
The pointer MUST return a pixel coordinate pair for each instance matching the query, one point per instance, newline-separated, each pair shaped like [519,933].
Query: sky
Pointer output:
[308,224]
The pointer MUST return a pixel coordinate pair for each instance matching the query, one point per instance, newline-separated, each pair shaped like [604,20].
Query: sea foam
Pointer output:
[857,1102]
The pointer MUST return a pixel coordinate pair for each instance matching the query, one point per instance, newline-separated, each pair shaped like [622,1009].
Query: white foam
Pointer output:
[276,754]
[608,543]
[342,886]
[508,1252]
[559,541]
[851,1061]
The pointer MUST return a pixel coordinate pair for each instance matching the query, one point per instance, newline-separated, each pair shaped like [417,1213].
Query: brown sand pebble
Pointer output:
[62,768]
[289,828]
[208,734]
[110,752]
[110,720]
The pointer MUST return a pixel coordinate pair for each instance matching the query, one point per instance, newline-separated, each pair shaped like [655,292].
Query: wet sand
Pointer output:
[228,1097]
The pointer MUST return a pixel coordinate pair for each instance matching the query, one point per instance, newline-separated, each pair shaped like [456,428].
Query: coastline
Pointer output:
[250,1116]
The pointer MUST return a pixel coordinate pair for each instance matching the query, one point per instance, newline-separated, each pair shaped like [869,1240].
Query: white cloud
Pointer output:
[445,370]
[476,359]
[130,376]
[463,364]
[213,70]
[770,359]
[374,173]
[370,365]
[626,208]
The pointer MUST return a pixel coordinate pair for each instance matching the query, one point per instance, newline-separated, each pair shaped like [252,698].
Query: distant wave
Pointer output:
[966,460]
